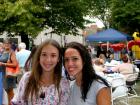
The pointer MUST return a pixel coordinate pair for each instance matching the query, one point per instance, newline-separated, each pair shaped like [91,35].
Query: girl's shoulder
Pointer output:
[26,75]
[64,83]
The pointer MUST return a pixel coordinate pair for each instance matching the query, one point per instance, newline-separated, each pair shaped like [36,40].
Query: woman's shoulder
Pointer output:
[97,85]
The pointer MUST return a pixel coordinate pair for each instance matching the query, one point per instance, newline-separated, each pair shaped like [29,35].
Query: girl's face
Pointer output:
[49,58]
[73,62]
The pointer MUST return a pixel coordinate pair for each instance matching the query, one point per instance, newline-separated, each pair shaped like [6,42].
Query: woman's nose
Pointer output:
[70,62]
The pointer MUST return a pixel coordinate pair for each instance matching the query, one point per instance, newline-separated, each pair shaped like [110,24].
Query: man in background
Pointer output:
[22,55]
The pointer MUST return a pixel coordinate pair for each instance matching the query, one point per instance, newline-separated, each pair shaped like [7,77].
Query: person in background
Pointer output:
[1,48]
[102,56]
[113,61]
[88,88]
[28,63]
[99,65]
[22,56]
[10,81]
[44,85]
[125,68]
[14,46]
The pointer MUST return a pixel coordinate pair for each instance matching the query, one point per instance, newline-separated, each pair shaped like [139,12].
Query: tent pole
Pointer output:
[107,45]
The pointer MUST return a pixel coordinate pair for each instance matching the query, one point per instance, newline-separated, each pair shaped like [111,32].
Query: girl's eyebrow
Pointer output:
[51,53]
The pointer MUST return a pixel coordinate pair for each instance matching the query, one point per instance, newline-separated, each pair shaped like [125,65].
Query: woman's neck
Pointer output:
[79,79]
[47,79]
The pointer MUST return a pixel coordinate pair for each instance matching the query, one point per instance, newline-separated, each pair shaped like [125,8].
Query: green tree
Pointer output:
[29,17]
[125,15]
[100,9]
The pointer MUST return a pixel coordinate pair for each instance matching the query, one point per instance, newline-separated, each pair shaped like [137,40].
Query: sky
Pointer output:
[95,21]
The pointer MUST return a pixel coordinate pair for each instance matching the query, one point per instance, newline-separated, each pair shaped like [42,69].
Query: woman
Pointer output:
[98,65]
[28,63]
[9,82]
[43,85]
[125,68]
[88,88]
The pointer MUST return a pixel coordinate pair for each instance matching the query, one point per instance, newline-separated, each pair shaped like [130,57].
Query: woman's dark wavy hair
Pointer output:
[88,73]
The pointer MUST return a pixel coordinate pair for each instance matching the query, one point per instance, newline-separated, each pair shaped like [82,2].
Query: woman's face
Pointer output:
[49,58]
[73,62]
[7,46]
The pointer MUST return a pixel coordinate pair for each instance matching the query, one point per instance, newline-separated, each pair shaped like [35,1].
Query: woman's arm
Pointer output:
[104,96]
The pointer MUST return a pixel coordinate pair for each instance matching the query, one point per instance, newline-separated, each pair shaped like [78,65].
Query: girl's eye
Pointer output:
[53,56]
[43,54]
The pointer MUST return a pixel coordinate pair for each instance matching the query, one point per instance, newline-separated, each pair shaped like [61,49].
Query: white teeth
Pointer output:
[47,66]
[71,68]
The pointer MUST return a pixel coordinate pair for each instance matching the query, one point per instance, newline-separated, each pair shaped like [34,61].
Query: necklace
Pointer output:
[42,94]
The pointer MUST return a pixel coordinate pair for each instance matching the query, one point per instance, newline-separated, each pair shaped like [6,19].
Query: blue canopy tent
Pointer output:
[108,35]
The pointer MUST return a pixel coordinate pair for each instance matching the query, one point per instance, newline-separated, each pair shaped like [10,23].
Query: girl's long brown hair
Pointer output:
[33,85]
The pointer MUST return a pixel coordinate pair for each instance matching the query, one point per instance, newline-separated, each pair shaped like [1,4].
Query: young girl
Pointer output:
[88,88]
[44,85]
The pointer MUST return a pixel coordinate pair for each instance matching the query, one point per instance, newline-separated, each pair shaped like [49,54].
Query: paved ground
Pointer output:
[134,100]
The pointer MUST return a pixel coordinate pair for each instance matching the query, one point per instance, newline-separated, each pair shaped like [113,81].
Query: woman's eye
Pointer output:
[66,60]
[75,59]
[71,59]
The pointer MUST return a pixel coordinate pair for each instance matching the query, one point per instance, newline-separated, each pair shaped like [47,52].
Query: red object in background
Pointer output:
[116,47]
[132,43]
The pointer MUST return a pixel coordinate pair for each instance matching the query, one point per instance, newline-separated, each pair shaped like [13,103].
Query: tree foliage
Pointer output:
[100,9]
[125,15]
[32,16]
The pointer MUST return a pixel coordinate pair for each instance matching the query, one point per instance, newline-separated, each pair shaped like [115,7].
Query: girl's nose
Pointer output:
[48,58]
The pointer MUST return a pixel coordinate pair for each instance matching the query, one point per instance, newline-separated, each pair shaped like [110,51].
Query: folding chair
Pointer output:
[130,83]
[119,91]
